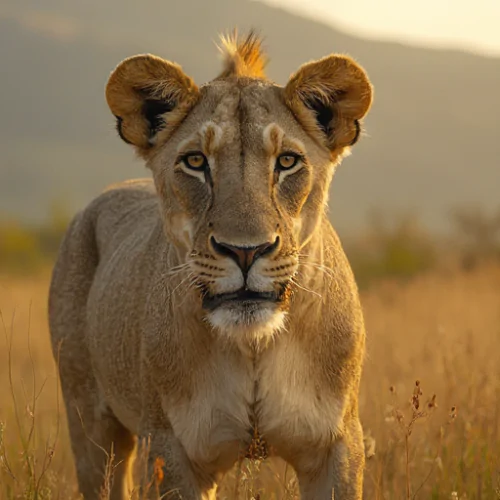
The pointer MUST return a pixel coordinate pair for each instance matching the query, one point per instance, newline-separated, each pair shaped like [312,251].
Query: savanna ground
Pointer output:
[440,328]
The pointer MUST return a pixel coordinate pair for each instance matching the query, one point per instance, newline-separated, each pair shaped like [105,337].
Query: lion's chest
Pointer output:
[215,421]
[278,395]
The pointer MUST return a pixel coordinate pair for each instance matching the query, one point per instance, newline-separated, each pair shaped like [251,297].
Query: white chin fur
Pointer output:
[255,327]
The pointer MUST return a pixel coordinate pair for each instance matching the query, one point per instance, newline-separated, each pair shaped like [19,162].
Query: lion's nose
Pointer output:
[244,256]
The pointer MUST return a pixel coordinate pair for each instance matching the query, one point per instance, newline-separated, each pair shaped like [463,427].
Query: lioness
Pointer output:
[214,306]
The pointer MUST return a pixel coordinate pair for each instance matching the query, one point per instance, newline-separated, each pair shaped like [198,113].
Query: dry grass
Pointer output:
[442,329]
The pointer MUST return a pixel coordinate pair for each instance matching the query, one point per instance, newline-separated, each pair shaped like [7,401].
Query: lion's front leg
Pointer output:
[167,471]
[164,469]
[338,474]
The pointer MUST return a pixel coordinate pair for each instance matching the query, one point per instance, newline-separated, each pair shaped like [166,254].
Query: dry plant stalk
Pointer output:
[27,437]
[406,423]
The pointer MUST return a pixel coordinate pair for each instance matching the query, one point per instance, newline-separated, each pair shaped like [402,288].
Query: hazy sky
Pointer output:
[469,24]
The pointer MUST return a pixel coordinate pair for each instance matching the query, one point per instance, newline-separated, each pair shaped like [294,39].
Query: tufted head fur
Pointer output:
[243,56]
[242,167]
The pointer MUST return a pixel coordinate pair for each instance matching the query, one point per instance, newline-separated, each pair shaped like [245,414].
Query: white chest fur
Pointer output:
[277,390]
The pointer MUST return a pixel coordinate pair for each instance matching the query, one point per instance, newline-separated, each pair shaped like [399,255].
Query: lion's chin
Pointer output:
[252,324]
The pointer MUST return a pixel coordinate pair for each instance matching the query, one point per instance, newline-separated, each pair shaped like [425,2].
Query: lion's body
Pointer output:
[139,359]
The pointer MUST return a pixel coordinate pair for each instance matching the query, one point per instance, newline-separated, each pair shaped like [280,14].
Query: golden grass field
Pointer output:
[442,329]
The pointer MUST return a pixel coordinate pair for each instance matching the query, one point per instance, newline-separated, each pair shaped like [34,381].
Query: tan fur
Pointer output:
[146,353]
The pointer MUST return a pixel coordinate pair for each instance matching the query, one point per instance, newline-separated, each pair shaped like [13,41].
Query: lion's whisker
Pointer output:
[298,285]
[191,285]
[177,269]
[326,270]
[190,275]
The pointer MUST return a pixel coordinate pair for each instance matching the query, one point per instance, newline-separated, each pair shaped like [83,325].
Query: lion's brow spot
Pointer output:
[210,134]
[273,137]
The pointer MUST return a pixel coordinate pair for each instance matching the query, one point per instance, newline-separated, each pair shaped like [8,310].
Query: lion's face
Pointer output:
[242,190]
[242,167]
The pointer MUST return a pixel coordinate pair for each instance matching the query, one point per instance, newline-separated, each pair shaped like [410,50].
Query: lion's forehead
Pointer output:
[241,113]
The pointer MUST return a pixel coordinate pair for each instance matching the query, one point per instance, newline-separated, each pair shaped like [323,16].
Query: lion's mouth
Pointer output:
[242,297]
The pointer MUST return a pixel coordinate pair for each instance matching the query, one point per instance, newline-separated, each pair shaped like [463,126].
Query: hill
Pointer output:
[431,137]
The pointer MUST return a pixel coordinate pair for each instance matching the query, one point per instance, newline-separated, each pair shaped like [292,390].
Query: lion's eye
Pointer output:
[287,161]
[195,161]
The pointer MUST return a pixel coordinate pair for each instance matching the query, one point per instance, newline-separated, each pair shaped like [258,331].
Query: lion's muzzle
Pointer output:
[244,256]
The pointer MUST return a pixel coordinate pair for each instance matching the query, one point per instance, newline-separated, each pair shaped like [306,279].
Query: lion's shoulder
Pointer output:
[126,210]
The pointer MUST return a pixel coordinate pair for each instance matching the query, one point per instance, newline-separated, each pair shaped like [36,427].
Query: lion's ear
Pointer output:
[149,95]
[329,97]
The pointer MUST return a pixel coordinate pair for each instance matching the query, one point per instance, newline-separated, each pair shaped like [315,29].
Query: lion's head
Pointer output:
[242,167]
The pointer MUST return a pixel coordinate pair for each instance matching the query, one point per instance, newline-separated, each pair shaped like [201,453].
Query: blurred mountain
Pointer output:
[432,136]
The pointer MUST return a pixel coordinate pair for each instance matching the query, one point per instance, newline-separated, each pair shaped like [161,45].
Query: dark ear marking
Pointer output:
[358,133]
[119,123]
[153,109]
[324,114]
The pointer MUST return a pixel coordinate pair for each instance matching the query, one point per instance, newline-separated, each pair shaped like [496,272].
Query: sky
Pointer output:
[472,25]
